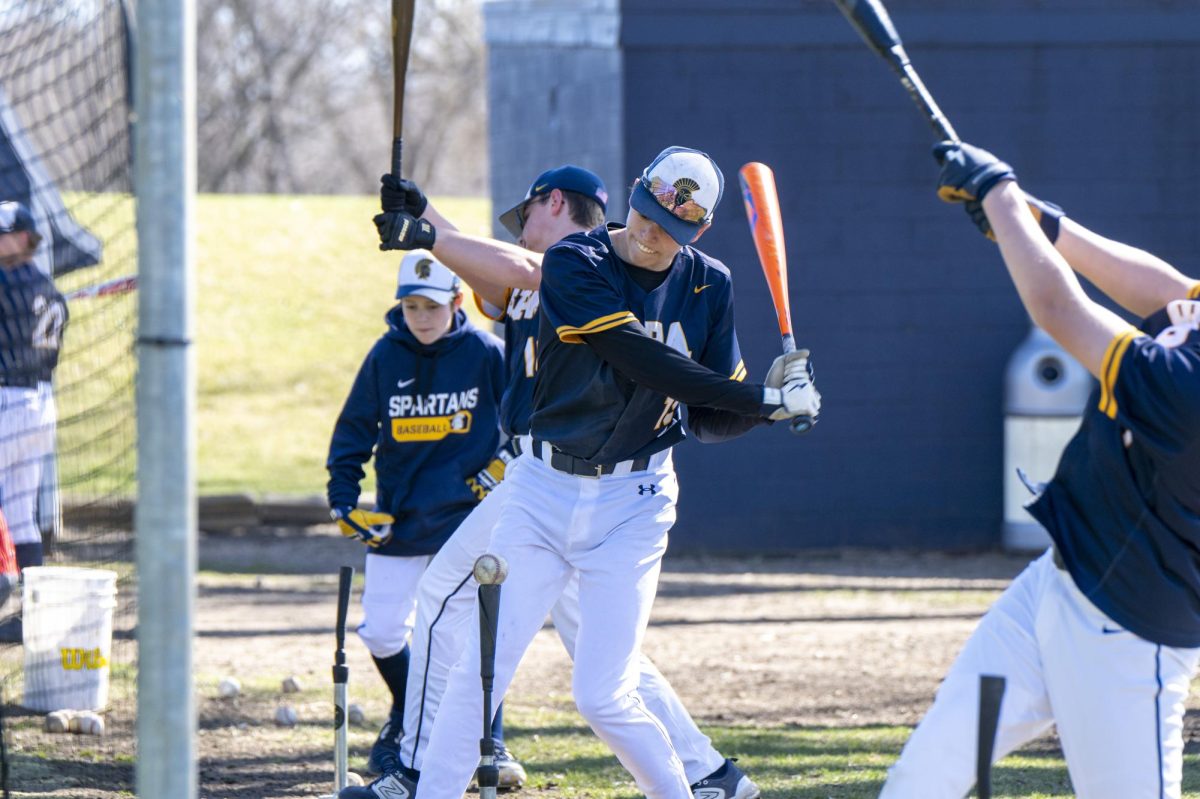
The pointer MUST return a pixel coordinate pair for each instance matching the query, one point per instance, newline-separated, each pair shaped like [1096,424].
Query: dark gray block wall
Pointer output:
[908,310]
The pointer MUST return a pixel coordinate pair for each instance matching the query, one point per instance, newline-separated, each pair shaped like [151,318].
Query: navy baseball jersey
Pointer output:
[33,315]
[520,318]
[582,404]
[430,415]
[1124,505]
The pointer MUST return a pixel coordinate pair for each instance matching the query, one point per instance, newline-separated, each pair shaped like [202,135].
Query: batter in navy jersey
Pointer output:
[33,316]
[425,406]
[559,202]
[1100,635]
[627,333]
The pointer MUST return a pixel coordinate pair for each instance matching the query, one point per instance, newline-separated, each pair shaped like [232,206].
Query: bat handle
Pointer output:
[801,424]
[397,152]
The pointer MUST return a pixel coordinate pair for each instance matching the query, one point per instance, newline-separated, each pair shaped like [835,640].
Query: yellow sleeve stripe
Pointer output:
[481,304]
[739,373]
[1194,294]
[1110,366]
[574,335]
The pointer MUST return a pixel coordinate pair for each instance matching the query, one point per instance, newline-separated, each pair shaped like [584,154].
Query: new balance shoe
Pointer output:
[393,785]
[512,773]
[385,752]
[727,782]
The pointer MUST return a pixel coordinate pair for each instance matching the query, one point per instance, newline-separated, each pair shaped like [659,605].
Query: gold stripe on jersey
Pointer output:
[1194,294]
[574,335]
[479,304]
[1110,366]
[739,372]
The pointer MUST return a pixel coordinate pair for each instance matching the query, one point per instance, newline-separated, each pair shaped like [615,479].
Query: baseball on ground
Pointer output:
[355,715]
[291,685]
[353,779]
[490,569]
[229,687]
[58,721]
[89,724]
[285,716]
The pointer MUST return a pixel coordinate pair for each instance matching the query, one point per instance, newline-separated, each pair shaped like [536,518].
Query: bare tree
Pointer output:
[295,96]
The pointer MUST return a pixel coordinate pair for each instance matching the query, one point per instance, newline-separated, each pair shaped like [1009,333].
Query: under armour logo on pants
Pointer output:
[650,489]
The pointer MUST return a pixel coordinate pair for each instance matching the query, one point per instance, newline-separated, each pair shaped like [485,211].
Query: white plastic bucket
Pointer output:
[68,619]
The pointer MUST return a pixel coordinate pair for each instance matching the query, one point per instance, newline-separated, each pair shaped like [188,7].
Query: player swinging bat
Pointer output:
[766,225]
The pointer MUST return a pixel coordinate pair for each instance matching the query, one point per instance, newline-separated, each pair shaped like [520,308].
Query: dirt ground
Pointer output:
[825,639]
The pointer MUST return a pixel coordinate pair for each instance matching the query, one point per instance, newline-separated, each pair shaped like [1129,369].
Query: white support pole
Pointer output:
[165,518]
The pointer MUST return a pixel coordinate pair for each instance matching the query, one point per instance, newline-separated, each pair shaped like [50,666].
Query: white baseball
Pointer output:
[285,716]
[58,721]
[353,779]
[229,687]
[490,569]
[355,715]
[291,685]
[90,724]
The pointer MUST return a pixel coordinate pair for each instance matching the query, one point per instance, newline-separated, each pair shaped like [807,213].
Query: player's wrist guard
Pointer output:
[372,528]
[491,475]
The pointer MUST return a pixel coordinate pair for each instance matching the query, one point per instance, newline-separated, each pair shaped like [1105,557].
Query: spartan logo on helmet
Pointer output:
[424,268]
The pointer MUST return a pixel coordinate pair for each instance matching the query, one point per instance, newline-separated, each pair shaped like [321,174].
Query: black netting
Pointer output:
[66,632]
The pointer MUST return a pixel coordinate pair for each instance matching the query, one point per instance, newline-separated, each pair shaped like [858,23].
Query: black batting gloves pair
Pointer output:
[400,226]
[969,173]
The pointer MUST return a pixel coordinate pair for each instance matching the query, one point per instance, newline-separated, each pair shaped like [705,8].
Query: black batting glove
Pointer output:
[398,194]
[968,172]
[401,231]
[1048,215]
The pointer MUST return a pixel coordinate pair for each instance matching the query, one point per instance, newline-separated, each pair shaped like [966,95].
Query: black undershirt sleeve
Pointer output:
[718,407]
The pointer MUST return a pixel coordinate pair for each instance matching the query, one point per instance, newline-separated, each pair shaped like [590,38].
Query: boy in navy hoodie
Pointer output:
[426,405]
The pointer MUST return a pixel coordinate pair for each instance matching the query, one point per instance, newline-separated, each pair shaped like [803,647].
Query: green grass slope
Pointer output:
[291,293]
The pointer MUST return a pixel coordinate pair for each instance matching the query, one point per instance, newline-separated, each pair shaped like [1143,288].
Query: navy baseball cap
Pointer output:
[564,178]
[679,192]
[426,276]
[14,216]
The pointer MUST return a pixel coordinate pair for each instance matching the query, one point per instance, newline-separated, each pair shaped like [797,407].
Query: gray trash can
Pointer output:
[1045,392]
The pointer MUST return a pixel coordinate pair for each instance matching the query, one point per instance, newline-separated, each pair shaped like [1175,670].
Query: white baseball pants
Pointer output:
[1118,700]
[446,598]
[613,531]
[27,421]
[389,601]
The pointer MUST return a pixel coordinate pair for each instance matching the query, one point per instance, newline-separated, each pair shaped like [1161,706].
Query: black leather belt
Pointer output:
[578,466]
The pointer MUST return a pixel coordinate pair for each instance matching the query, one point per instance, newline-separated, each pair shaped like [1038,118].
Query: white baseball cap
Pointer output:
[679,191]
[422,274]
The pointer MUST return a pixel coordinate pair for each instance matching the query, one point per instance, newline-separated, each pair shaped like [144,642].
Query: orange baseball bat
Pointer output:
[766,226]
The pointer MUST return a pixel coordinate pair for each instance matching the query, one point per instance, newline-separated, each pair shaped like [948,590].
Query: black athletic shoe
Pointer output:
[385,752]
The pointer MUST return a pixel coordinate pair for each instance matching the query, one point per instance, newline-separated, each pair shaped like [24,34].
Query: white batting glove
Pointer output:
[779,372]
[796,398]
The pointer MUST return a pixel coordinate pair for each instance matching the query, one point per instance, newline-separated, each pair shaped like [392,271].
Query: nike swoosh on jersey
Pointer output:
[699,289]
[406,383]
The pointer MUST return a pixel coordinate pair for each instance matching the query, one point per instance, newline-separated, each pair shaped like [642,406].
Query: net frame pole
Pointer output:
[165,515]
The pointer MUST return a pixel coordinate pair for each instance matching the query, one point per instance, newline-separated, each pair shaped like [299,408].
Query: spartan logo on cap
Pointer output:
[424,269]
[677,198]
